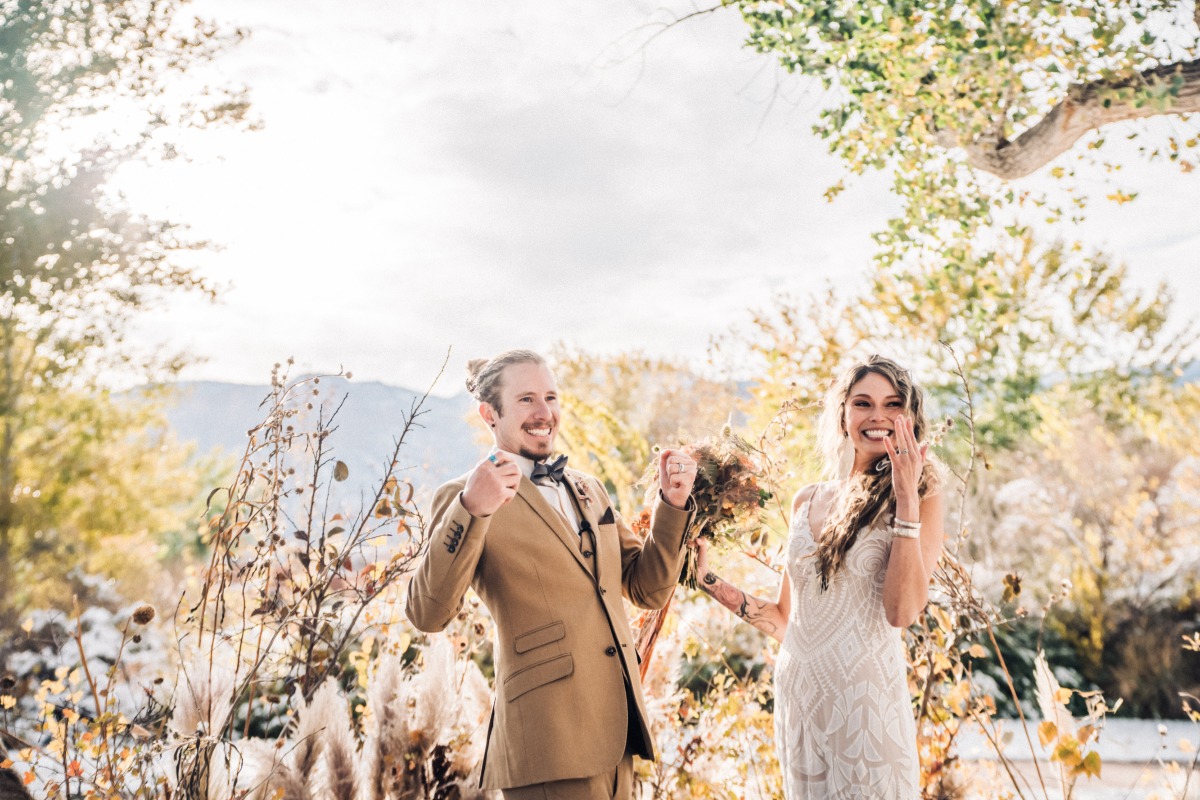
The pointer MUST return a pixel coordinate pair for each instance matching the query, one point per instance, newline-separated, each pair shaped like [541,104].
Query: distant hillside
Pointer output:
[218,415]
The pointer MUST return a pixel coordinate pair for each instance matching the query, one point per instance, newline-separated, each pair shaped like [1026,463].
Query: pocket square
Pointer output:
[607,517]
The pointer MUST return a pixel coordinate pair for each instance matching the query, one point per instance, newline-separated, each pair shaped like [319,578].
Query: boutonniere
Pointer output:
[581,490]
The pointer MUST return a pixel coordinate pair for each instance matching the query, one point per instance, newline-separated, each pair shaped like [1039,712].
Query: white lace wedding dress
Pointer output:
[844,725]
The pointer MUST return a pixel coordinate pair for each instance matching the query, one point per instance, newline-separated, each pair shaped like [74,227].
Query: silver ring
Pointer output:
[902,452]
[682,469]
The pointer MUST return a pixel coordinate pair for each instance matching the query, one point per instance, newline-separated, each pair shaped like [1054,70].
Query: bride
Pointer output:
[860,552]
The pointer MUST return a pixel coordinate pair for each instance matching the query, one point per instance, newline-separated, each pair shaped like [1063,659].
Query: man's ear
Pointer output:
[488,413]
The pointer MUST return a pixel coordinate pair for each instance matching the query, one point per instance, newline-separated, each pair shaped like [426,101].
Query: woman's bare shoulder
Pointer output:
[804,495]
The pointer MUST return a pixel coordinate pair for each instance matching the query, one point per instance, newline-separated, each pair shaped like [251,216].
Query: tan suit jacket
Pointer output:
[566,669]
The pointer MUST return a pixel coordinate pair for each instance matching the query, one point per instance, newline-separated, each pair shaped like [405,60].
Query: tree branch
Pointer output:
[1087,107]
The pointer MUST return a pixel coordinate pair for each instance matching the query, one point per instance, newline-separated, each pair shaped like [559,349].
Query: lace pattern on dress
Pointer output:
[844,727]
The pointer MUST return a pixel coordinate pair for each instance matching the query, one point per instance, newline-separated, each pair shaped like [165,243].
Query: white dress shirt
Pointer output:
[556,493]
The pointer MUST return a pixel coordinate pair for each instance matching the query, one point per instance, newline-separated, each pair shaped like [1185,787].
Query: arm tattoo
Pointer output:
[743,610]
[748,608]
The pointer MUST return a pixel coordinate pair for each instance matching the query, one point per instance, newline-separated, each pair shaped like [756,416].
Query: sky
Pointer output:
[483,175]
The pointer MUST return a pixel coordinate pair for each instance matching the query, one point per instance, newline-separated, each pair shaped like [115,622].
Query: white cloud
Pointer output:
[492,174]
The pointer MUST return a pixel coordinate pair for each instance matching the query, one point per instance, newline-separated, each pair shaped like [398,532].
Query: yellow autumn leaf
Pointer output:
[1047,732]
[7,701]
[1063,695]
[943,618]
[958,696]
[978,651]
[1067,752]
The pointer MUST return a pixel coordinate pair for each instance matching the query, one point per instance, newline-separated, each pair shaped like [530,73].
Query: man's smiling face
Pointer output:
[526,423]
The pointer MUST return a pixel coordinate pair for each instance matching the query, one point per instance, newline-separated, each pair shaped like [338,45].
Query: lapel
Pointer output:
[528,491]
[588,508]
[586,503]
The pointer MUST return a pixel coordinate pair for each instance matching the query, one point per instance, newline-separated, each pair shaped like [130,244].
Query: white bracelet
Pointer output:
[904,523]
[906,533]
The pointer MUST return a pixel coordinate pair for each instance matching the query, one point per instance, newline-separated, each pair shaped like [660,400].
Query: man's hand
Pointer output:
[676,474]
[491,484]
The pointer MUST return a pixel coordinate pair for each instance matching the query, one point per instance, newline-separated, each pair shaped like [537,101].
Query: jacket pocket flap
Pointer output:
[539,674]
[539,636]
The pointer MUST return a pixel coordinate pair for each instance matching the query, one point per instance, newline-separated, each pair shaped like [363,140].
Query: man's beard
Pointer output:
[532,456]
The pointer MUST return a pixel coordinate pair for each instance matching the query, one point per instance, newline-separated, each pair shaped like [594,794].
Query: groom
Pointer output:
[548,555]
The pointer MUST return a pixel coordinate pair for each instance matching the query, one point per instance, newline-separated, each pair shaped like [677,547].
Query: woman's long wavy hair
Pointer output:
[866,497]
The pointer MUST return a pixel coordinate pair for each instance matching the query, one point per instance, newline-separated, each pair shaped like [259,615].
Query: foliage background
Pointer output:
[1074,443]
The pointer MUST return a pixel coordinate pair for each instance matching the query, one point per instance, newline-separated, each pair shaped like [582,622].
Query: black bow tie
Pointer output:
[552,470]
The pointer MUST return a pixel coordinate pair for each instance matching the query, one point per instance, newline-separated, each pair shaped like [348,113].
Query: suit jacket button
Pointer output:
[611,651]
[587,553]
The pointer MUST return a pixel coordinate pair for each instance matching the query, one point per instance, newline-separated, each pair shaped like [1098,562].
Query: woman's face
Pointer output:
[871,410]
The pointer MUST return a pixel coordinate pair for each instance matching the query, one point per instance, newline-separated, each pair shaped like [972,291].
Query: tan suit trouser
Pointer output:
[615,785]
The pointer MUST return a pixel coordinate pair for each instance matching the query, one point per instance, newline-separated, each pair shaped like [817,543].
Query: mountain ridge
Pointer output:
[216,416]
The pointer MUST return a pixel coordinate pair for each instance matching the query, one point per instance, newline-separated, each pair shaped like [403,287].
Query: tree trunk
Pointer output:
[11,787]
[1087,107]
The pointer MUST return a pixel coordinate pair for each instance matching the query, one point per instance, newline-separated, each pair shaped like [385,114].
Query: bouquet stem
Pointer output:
[647,635]
[688,576]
